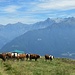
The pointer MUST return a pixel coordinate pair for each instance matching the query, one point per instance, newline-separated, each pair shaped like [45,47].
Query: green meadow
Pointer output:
[58,66]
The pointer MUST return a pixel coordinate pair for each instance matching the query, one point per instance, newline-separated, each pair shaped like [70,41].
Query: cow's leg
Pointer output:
[50,58]
[35,59]
[27,56]
[3,59]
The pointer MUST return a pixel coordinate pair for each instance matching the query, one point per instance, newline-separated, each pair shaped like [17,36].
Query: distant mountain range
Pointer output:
[47,37]
[11,31]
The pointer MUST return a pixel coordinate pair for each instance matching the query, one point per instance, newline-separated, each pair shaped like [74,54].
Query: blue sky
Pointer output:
[31,11]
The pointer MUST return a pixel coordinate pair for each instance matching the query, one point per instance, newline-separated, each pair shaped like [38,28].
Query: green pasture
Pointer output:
[58,66]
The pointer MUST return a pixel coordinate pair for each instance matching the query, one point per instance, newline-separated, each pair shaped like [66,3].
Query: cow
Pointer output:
[17,56]
[9,55]
[23,56]
[49,57]
[34,56]
[3,56]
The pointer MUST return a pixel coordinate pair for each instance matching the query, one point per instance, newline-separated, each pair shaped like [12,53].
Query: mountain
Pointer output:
[44,24]
[11,31]
[57,39]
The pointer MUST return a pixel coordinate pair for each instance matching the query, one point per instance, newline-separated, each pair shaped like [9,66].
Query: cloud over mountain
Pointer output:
[28,11]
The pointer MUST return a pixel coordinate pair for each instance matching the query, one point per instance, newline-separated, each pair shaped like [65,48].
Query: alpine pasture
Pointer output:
[58,66]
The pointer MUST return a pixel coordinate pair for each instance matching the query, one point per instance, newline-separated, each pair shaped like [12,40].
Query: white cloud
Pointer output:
[33,11]
[57,4]
[46,6]
[11,9]
[13,19]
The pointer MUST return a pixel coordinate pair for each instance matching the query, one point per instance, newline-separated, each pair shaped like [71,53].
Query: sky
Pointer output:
[32,11]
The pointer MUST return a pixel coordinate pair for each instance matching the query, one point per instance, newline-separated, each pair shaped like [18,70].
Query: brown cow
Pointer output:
[9,55]
[3,56]
[17,56]
[34,56]
[48,57]
[23,56]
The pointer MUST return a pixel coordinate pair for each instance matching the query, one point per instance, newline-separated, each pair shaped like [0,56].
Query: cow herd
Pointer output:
[16,56]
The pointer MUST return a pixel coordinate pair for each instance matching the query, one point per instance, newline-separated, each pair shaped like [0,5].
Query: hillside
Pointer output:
[58,66]
[10,31]
[55,40]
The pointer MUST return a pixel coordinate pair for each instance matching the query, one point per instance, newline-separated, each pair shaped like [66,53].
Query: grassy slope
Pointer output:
[59,66]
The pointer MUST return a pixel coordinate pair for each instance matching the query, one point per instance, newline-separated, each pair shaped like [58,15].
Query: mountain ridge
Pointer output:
[11,31]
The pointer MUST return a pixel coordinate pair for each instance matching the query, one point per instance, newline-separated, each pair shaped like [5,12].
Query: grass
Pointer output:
[58,66]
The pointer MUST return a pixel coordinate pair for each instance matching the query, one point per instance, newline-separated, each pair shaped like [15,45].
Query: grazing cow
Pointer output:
[3,56]
[16,56]
[23,56]
[34,56]
[9,55]
[48,57]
